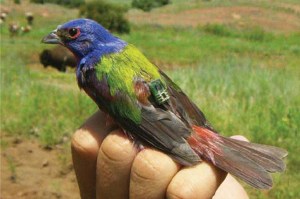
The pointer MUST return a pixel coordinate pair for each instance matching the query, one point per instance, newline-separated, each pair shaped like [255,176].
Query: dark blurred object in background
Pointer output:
[58,57]
[29,18]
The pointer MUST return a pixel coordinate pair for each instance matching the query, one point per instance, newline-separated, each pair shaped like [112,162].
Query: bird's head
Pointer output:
[83,36]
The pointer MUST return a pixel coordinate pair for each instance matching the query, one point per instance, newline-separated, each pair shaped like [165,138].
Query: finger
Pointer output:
[151,173]
[200,182]
[85,145]
[240,137]
[114,162]
[230,189]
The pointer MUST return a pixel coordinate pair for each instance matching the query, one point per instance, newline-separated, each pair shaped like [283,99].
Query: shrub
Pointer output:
[38,1]
[250,33]
[111,16]
[147,5]
[218,29]
[257,34]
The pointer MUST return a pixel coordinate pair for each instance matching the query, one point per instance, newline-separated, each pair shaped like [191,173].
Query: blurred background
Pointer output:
[238,60]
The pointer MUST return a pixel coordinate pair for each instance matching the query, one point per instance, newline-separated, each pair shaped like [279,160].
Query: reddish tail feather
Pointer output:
[248,161]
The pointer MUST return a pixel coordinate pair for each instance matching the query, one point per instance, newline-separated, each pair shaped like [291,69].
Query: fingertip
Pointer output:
[88,138]
[231,189]
[152,164]
[199,181]
[84,142]
[240,137]
[117,148]
[151,173]
[96,125]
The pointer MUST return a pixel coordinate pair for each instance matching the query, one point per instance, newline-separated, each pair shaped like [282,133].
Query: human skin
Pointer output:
[108,165]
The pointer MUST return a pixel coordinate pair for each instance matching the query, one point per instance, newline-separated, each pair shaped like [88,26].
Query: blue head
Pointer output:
[85,36]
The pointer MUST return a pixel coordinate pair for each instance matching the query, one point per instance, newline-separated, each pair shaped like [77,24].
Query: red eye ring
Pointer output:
[73,32]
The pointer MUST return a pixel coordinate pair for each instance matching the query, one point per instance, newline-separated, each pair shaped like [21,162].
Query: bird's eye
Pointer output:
[73,32]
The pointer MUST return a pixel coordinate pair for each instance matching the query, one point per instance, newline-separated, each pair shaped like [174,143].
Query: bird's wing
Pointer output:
[162,130]
[160,127]
[183,106]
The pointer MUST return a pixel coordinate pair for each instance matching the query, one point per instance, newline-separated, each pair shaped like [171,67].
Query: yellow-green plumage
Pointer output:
[121,69]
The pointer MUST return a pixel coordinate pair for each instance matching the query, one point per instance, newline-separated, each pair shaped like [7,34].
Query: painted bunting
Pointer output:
[154,111]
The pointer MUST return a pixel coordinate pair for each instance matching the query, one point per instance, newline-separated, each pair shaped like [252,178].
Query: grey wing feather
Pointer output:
[165,131]
[184,106]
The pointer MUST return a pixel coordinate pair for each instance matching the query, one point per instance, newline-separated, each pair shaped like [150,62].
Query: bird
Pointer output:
[152,110]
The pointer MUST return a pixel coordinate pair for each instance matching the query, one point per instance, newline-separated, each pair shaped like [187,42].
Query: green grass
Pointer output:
[246,82]
[188,46]
[262,104]
[36,104]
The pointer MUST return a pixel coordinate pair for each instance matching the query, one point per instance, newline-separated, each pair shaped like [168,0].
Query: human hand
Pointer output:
[107,165]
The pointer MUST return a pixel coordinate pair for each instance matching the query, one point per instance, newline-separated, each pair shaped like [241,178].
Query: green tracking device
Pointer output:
[159,91]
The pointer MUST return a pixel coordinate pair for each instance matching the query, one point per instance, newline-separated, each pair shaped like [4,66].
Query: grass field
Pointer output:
[245,80]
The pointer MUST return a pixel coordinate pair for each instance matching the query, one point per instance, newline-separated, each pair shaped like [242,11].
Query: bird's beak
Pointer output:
[52,38]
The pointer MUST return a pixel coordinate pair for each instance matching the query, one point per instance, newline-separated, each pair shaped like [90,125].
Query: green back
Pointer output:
[121,69]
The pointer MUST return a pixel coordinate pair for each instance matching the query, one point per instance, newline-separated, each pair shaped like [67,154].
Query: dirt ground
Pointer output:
[30,171]
[240,16]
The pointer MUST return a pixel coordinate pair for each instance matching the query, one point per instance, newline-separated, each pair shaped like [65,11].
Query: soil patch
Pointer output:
[241,16]
[30,171]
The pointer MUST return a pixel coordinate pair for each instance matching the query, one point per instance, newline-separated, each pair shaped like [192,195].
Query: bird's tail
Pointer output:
[248,161]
